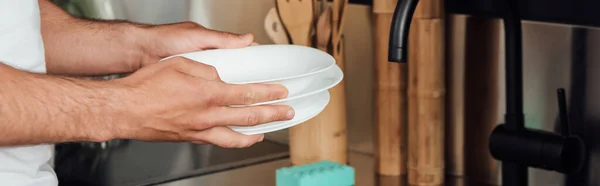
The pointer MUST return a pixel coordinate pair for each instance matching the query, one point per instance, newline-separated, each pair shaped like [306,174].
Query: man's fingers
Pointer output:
[196,69]
[218,39]
[226,138]
[245,94]
[247,116]
[200,142]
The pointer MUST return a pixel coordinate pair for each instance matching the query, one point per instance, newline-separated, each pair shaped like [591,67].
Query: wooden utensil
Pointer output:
[324,29]
[316,8]
[297,16]
[390,98]
[275,28]
[342,15]
[324,4]
[313,30]
[338,14]
[337,29]
[335,26]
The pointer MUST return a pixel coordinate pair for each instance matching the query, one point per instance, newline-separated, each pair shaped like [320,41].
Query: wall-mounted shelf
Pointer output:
[571,12]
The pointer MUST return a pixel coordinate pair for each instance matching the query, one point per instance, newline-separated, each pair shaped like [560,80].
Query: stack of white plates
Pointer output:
[306,72]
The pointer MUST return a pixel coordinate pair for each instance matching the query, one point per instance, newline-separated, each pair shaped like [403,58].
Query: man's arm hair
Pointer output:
[39,109]
[77,46]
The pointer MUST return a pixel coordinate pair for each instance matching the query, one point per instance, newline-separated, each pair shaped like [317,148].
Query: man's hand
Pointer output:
[166,40]
[92,47]
[175,100]
[182,100]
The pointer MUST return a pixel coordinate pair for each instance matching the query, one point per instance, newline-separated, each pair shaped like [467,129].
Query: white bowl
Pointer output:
[307,85]
[305,108]
[306,72]
[263,63]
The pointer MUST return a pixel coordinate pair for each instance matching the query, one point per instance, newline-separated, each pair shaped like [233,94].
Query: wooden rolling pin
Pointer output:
[482,50]
[426,95]
[390,97]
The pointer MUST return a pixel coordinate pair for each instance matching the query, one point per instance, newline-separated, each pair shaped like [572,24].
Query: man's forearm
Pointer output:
[36,109]
[84,47]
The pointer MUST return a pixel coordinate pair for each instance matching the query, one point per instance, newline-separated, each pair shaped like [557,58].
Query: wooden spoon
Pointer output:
[316,8]
[344,7]
[324,29]
[297,16]
[339,11]
[275,28]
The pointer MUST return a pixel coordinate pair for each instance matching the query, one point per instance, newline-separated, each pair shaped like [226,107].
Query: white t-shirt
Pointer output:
[21,47]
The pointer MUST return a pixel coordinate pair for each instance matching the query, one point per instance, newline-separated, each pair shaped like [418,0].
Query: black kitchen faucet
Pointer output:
[512,143]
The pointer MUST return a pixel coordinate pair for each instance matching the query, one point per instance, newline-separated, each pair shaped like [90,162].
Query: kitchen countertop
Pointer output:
[264,175]
[136,163]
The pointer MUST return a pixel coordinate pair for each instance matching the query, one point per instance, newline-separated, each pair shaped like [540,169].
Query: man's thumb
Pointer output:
[218,39]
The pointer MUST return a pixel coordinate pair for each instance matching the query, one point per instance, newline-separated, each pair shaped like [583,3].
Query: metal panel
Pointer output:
[131,163]
[572,12]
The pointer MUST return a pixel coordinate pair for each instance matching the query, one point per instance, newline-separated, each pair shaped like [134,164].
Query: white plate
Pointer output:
[305,108]
[320,82]
[263,63]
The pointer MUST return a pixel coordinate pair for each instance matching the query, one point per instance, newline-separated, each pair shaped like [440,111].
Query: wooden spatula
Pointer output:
[297,16]
[337,21]
[275,28]
[342,20]
[324,29]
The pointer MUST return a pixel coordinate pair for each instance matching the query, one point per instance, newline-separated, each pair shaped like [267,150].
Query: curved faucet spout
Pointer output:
[398,45]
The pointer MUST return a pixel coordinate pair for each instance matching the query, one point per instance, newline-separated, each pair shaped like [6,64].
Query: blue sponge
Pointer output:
[324,173]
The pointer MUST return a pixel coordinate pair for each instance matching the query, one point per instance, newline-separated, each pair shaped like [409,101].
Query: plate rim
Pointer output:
[252,130]
[331,60]
[337,81]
